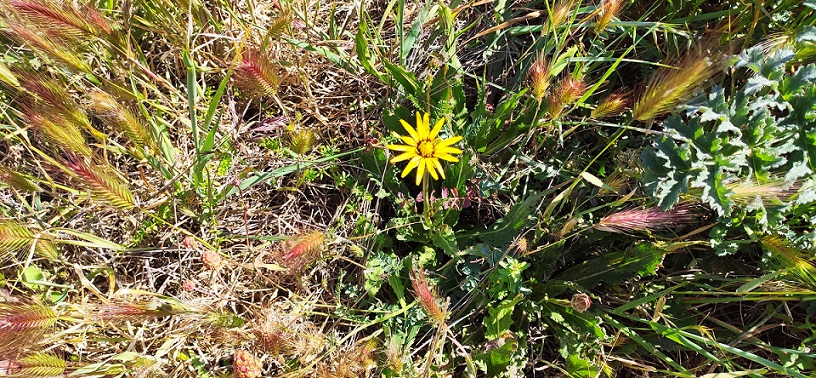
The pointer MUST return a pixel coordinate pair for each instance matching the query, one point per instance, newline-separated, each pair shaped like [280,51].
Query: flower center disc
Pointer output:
[426,149]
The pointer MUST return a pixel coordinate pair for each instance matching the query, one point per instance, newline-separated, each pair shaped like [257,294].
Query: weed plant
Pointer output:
[212,188]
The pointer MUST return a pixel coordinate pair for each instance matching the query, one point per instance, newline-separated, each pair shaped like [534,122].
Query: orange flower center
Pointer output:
[426,148]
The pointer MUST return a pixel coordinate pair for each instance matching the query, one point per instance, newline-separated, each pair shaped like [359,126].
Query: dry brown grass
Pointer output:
[156,298]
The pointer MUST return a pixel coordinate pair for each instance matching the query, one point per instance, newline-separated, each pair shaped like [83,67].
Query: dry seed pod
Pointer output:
[246,365]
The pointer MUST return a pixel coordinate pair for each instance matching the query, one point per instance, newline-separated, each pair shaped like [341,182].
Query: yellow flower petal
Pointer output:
[436,129]
[439,167]
[408,140]
[447,157]
[421,127]
[420,171]
[403,156]
[400,147]
[426,122]
[409,129]
[447,150]
[431,169]
[428,161]
[449,141]
[411,164]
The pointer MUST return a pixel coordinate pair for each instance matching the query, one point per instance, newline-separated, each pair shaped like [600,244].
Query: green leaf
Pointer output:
[380,267]
[496,360]
[505,230]
[642,259]
[592,179]
[32,277]
[579,334]
[499,318]
[444,238]
[584,367]
[364,52]
[496,122]
[407,80]
[794,84]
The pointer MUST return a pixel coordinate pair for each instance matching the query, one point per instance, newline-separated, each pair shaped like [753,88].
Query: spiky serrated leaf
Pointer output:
[794,84]
[769,65]
[801,122]
[758,133]
[667,172]
[714,191]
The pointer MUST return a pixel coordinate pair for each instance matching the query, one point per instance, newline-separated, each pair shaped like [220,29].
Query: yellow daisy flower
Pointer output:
[424,149]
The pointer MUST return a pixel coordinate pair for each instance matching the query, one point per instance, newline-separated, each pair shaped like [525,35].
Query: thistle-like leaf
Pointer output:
[101,183]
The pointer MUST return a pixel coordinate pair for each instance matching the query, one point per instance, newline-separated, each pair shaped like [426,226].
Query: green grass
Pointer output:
[205,189]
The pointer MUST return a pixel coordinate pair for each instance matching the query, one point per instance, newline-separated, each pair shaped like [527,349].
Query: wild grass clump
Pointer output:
[208,189]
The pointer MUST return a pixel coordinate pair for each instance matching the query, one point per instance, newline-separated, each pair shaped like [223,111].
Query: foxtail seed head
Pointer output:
[101,183]
[23,325]
[671,86]
[650,219]
[560,12]
[608,9]
[568,90]
[427,297]
[302,251]
[798,263]
[256,75]
[538,75]
[16,180]
[611,106]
